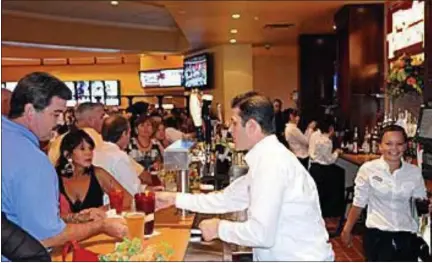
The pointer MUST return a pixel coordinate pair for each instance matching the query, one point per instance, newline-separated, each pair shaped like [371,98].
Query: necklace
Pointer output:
[143,146]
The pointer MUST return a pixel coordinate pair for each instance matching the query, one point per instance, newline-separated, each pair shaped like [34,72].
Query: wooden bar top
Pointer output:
[170,218]
[173,230]
[358,159]
[177,238]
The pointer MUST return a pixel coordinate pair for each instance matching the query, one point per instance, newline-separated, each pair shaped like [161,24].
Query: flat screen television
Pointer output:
[71,86]
[97,88]
[11,85]
[197,71]
[112,92]
[162,78]
[83,91]
[149,79]
[171,77]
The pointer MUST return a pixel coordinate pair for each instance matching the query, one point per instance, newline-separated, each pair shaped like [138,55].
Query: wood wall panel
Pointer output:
[360,63]
[317,69]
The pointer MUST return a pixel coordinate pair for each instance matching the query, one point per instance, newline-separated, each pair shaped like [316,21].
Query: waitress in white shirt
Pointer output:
[328,177]
[385,186]
[284,221]
[297,141]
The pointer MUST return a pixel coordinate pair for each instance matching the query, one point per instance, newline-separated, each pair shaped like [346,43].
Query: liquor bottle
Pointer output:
[375,140]
[366,142]
[355,148]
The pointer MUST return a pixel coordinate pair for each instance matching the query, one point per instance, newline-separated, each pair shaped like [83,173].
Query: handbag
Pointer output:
[78,253]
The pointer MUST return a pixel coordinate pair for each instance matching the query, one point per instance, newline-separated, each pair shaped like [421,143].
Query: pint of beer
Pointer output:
[135,223]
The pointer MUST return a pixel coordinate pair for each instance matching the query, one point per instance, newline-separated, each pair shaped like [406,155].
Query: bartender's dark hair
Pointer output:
[393,128]
[258,107]
[113,127]
[278,101]
[37,88]
[325,124]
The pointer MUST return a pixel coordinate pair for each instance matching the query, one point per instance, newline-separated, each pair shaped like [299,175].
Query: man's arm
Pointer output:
[115,227]
[233,198]
[74,232]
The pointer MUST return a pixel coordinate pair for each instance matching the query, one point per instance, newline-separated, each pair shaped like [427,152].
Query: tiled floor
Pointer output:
[342,253]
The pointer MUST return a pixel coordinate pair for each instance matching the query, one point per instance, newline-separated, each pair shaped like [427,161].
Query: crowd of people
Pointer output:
[55,192]
[59,163]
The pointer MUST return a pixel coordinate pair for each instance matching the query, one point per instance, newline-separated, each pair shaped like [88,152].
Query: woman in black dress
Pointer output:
[82,184]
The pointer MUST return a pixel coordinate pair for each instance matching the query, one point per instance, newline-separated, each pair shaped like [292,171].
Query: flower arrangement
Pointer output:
[406,75]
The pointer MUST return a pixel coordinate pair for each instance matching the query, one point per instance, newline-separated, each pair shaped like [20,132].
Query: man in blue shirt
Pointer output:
[30,191]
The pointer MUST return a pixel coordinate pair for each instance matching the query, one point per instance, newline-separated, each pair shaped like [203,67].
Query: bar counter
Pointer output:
[171,228]
[359,159]
[351,163]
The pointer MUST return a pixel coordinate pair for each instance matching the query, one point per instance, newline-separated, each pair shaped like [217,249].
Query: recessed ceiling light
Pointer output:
[334,27]
[236,16]
[114,2]
[233,41]
[233,31]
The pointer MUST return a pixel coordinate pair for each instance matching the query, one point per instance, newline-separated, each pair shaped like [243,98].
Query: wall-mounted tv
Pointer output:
[112,92]
[83,91]
[163,78]
[197,71]
[11,85]
[103,91]
[97,88]
[71,86]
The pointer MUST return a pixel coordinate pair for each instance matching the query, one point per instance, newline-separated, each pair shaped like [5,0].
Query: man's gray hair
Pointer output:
[86,107]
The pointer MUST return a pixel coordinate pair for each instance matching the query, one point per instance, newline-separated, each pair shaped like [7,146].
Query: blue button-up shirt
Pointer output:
[30,190]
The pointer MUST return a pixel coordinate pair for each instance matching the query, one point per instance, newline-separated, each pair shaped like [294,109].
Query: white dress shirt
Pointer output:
[173,134]
[308,133]
[388,195]
[321,149]
[123,168]
[297,141]
[284,216]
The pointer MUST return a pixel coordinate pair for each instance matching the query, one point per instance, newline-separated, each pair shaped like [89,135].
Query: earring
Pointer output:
[68,168]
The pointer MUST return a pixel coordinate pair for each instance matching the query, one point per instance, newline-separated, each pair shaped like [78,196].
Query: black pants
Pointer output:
[304,161]
[389,246]
[330,182]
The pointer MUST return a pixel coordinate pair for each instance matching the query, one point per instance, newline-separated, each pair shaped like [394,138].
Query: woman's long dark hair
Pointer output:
[70,141]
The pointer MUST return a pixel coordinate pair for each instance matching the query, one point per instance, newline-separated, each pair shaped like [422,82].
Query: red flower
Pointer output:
[411,81]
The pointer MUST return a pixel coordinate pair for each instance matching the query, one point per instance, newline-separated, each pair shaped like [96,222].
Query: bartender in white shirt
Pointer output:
[328,177]
[386,186]
[297,141]
[284,218]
